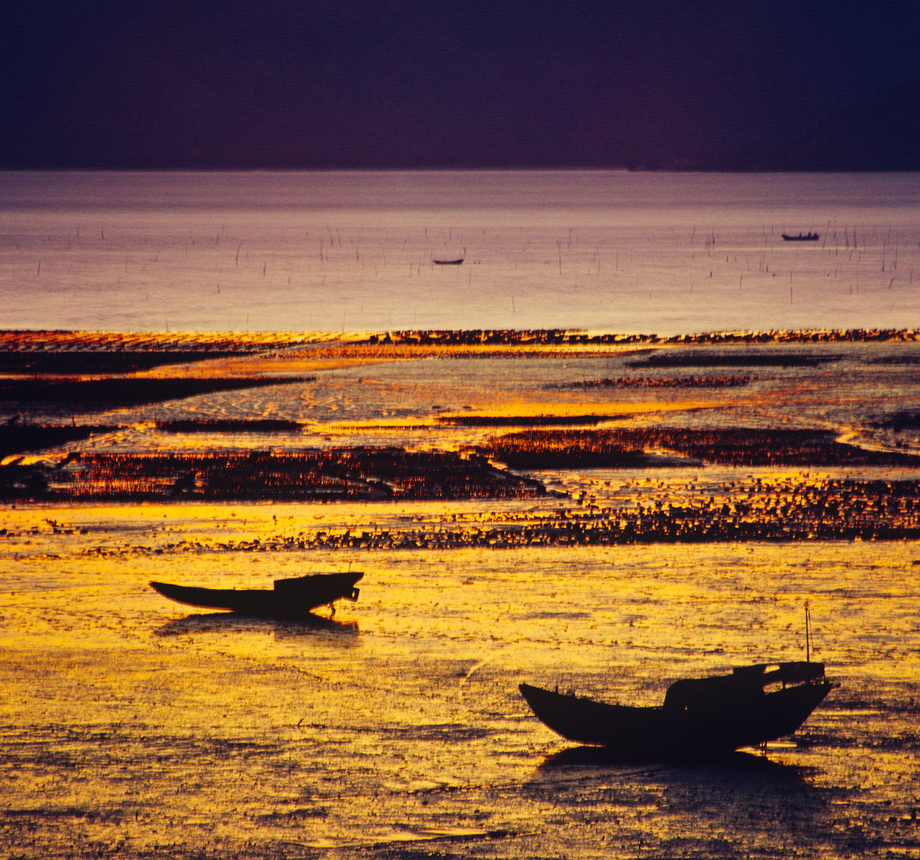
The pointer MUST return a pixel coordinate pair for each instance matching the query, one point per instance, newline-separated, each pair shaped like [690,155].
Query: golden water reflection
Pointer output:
[133,725]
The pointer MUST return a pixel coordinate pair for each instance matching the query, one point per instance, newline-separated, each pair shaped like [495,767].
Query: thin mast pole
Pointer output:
[807,636]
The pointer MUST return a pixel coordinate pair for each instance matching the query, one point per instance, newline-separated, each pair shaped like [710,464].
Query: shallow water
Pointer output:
[852,390]
[612,251]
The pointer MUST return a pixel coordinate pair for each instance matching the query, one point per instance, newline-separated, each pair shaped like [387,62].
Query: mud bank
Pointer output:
[329,475]
[632,447]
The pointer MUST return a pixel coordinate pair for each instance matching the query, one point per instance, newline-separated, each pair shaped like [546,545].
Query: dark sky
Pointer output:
[397,84]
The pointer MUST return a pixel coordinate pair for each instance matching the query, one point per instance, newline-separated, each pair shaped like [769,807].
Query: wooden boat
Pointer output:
[699,717]
[448,262]
[288,598]
[807,237]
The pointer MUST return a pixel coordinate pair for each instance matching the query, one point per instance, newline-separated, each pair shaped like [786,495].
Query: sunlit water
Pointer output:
[615,251]
[136,727]
[853,392]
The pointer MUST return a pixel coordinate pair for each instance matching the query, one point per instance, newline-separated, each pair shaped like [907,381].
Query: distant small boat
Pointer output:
[699,717]
[288,598]
[802,237]
[448,262]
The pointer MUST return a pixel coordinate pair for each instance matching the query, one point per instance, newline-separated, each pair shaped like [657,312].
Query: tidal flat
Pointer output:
[671,526]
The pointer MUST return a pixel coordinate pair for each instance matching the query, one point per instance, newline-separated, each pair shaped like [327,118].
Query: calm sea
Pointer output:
[612,251]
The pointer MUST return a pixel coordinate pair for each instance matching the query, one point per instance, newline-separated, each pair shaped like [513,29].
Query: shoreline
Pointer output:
[203,343]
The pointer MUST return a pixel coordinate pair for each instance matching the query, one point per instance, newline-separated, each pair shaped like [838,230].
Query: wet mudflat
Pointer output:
[136,727]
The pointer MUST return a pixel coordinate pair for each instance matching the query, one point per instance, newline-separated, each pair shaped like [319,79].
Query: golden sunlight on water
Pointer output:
[133,725]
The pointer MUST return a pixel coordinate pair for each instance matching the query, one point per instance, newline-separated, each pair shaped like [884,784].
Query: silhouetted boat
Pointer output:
[448,262]
[288,598]
[699,717]
[807,237]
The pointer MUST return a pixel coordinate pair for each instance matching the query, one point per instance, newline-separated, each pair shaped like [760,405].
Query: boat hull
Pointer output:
[634,732]
[289,597]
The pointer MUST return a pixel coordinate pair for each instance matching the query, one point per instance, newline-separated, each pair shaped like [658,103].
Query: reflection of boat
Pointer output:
[301,626]
[289,597]
[448,262]
[807,237]
[700,716]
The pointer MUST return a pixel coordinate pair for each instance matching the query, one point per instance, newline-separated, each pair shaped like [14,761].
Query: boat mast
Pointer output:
[807,635]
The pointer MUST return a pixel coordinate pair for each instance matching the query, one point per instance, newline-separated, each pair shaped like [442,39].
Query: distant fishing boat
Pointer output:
[288,597]
[802,237]
[448,262]
[699,717]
